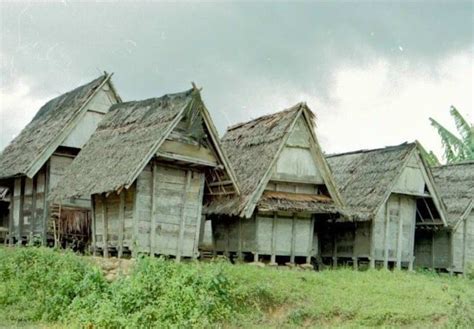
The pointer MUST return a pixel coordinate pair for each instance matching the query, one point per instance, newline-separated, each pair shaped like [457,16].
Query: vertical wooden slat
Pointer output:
[94,232]
[200,219]
[255,255]
[386,233]
[334,244]
[46,203]
[121,223]
[22,204]
[372,243]
[105,232]
[400,235]
[293,239]
[33,204]
[310,241]
[355,261]
[135,221]
[432,250]
[153,209]
[273,240]
[183,217]
[240,255]
[464,243]
[10,217]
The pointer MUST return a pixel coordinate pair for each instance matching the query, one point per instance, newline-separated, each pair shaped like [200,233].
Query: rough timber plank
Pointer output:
[105,233]
[121,223]
[182,224]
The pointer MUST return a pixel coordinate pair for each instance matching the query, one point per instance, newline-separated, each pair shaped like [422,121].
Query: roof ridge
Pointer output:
[295,107]
[462,163]
[386,148]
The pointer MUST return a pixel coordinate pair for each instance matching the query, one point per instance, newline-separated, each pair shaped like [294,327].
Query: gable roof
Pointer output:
[126,140]
[253,148]
[455,183]
[366,177]
[27,153]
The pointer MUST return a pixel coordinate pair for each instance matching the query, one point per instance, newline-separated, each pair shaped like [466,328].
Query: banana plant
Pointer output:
[456,148]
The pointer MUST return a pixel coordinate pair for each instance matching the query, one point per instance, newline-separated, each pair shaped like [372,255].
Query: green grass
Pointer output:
[60,289]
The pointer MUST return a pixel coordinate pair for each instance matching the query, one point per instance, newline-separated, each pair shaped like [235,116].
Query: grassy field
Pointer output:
[52,289]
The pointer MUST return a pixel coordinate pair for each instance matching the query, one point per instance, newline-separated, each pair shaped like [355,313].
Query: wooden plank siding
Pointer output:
[160,214]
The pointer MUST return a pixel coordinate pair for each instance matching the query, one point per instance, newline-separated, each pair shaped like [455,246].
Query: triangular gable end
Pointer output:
[194,139]
[79,130]
[310,170]
[415,180]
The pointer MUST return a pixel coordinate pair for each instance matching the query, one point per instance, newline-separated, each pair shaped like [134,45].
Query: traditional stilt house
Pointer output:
[149,167]
[451,249]
[393,196]
[286,186]
[32,164]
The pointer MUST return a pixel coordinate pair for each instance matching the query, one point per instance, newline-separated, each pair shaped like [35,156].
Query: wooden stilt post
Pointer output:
[310,241]
[33,205]
[22,206]
[46,209]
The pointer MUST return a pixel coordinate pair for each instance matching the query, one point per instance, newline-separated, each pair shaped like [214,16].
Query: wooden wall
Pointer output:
[265,234]
[433,249]
[161,214]
[29,206]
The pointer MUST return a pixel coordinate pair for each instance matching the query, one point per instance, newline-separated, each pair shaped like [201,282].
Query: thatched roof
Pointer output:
[252,148]
[124,142]
[365,177]
[39,139]
[455,182]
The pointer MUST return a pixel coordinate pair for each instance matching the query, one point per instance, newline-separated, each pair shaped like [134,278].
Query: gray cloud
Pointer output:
[244,54]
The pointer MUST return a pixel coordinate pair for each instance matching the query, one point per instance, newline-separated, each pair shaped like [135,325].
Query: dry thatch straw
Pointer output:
[455,183]
[364,177]
[252,148]
[45,129]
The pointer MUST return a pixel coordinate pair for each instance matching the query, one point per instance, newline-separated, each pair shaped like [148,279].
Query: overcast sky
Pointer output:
[372,72]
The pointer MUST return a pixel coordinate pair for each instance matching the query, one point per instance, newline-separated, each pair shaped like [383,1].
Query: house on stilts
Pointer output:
[392,197]
[148,168]
[33,163]
[451,249]
[286,186]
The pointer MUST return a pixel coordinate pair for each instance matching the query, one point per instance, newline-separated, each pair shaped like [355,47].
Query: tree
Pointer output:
[456,148]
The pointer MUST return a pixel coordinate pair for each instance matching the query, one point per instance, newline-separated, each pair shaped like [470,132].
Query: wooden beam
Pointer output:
[432,251]
[105,230]
[183,217]
[219,183]
[121,223]
[153,221]
[136,215]
[372,244]
[429,210]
